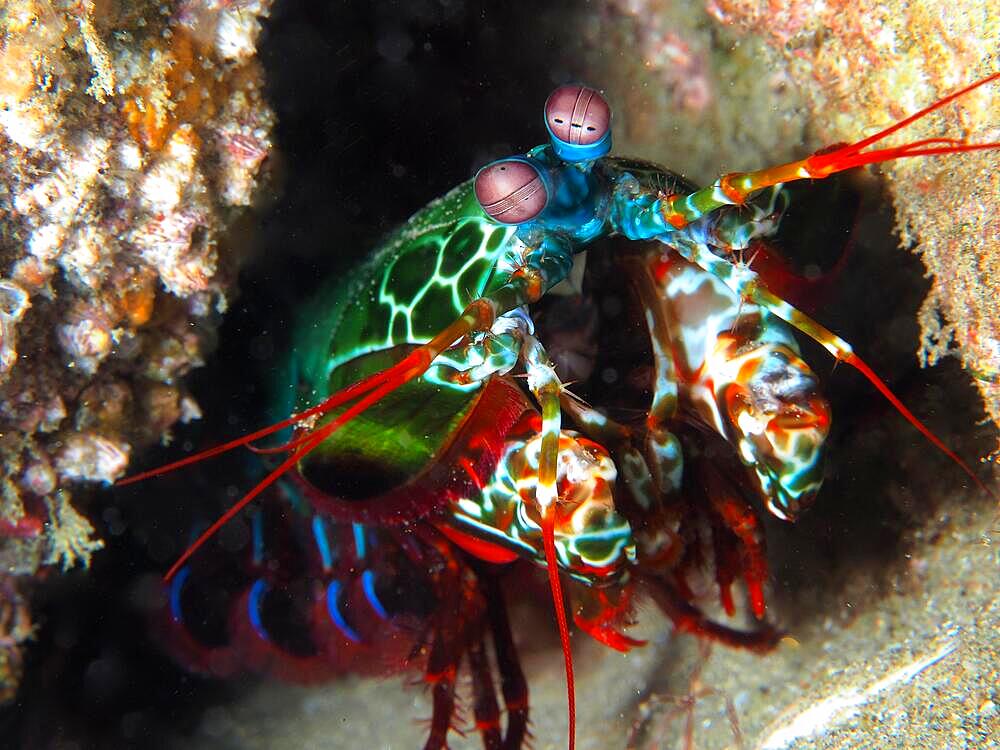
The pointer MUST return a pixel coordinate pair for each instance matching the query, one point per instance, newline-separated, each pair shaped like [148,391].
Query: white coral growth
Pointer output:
[71,536]
[13,304]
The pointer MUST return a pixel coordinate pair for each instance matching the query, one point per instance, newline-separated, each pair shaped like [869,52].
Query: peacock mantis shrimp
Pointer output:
[418,467]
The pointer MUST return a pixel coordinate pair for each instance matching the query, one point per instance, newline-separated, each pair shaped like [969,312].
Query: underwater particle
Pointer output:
[190,411]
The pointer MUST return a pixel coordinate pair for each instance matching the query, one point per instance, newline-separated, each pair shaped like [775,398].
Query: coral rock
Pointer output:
[863,65]
[131,134]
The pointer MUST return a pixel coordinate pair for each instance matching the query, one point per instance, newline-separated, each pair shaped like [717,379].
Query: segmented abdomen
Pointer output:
[305,600]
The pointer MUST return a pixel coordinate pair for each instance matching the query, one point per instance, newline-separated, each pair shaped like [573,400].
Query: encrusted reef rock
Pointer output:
[771,79]
[864,65]
[687,92]
[131,135]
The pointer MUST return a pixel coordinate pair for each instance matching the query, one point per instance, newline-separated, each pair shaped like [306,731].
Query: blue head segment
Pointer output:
[578,119]
[514,190]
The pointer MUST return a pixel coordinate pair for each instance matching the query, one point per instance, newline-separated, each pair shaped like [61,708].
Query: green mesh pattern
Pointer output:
[417,282]
[414,284]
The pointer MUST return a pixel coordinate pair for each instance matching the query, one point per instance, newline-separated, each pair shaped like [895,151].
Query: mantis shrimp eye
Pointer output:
[578,119]
[511,191]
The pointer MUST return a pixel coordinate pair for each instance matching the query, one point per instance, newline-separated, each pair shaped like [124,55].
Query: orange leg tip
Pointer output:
[757,604]
[726,600]
[672,217]
[733,193]
[676,221]
[604,633]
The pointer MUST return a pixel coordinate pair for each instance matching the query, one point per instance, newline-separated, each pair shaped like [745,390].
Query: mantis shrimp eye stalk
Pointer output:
[578,119]
[511,191]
